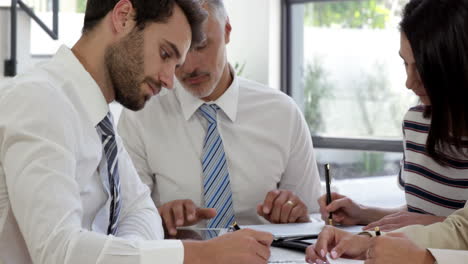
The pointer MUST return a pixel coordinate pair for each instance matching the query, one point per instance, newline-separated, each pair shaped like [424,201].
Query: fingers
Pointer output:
[282,206]
[183,212]
[205,213]
[342,247]
[262,237]
[287,208]
[168,218]
[390,227]
[387,220]
[191,210]
[260,210]
[179,215]
[338,204]
[280,200]
[262,250]
[300,213]
[325,238]
[312,256]
[268,203]
[396,235]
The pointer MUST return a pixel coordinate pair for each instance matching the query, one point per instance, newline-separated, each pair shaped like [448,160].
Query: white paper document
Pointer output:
[281,255]
[343,261]
[289,230]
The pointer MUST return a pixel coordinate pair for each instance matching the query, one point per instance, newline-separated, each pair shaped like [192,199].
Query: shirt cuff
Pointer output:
[442,256]
[162,251]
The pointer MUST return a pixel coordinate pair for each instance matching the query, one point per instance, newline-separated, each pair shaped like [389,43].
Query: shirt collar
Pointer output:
[228,102]
[88,91]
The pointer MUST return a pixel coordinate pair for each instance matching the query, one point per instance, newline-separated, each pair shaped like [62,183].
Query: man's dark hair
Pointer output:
[158,11]
[437,31]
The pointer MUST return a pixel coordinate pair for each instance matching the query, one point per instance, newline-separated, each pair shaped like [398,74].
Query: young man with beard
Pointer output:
[68,190]
[221,147]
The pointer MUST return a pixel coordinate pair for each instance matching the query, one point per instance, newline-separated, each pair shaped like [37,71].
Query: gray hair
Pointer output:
[217,6]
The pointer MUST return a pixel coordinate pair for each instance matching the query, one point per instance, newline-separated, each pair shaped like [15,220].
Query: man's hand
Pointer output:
[402,219]
[243,246]
[338,243]
[183,213]
[282,206]
[396,249]
[345,211]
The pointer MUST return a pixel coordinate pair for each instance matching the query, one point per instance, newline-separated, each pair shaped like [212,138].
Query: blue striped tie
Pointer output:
[105,129]
[216,183]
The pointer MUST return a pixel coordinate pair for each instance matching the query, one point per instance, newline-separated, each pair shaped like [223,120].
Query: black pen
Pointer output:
[327,185]
[377,231]
[235,226]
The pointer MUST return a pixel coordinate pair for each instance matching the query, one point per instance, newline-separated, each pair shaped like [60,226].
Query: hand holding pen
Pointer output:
[345,211]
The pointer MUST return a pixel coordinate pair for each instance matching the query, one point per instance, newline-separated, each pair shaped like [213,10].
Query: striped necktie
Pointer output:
[105,129]
[216,183]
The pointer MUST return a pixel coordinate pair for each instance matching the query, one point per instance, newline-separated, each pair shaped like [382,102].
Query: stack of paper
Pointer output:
[343,261]
[289,230]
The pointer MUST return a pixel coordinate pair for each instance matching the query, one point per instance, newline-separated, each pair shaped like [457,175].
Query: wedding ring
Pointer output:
[290,203]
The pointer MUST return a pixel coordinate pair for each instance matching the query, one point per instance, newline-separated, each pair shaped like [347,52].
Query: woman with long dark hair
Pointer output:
[434,46]
[434,173]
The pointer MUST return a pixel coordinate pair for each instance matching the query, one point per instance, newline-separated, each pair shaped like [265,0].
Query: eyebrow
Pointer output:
[174,48]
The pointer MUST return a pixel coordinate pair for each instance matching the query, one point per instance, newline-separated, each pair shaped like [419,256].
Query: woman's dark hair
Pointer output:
[437,31]
[150,11]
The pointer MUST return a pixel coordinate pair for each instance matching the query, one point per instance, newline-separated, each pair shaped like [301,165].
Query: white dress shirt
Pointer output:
[54,203]
[266,140]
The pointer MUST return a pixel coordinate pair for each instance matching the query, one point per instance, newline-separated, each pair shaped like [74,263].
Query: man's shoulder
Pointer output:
[263,93]
[160,106]
[35,90]
[33,84]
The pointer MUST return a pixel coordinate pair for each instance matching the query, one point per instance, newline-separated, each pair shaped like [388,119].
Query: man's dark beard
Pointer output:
[124,61]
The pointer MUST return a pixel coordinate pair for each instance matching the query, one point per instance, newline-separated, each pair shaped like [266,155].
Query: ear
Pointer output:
[122,17]
[227,31]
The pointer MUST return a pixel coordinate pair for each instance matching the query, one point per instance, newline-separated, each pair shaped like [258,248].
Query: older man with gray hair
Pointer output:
[222,148]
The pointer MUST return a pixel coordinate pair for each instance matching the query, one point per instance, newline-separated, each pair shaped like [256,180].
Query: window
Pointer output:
[341,66]
[71,18]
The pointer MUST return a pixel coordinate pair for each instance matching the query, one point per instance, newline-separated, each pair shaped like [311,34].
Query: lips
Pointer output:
[153,88]
[197,79]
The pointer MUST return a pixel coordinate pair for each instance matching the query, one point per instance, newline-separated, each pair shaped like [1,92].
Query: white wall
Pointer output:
[255,39]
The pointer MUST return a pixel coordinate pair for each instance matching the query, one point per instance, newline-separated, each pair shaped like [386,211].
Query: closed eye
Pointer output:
[165,55]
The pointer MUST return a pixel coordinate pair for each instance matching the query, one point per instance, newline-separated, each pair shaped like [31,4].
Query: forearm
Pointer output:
[450,234]
[371,214]
[193,252]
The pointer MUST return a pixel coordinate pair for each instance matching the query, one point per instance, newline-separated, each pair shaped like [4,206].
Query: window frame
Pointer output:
[363,144]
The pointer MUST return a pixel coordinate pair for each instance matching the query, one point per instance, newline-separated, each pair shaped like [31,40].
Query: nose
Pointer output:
[410,78]
[167,77]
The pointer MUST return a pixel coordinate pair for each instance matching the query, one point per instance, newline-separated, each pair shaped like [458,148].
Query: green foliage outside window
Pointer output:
[347,14]
[316,87]
[80,6]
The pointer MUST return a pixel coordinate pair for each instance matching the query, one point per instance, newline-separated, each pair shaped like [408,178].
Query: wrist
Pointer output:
[194,252]
[364,242]
[366,214]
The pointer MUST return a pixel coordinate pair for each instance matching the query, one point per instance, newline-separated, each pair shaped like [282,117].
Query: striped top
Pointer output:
[429,187]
